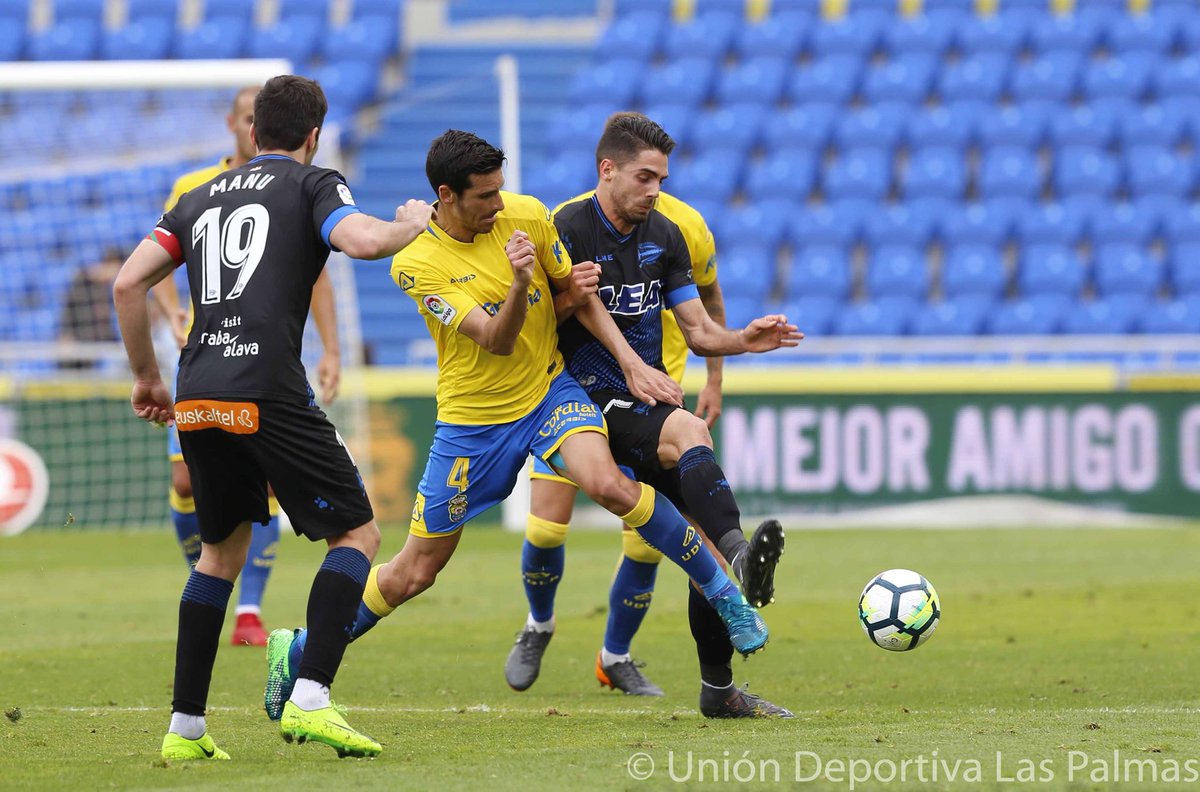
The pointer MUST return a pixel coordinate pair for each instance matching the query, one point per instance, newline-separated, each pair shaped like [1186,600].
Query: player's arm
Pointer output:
[364,237]
[324,313]
[707,338]
[708,401]
[573,291]
[166,296]
[498,334]
[147,265]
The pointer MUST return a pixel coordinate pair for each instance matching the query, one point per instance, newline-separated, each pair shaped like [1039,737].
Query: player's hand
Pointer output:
[522,255]
[770,332]
[178,324]
[584,281]
[652,386]
[329,376]
[152,402]
[708,403]
[417,214]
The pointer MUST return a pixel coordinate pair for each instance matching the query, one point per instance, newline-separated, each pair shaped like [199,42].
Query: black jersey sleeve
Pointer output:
[678,285]
[331,201]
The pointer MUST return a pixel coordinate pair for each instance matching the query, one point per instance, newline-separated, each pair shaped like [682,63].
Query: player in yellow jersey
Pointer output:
[482,276]
[652,247]
[248,629]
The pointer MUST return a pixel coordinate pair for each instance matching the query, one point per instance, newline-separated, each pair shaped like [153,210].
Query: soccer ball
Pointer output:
[899,610]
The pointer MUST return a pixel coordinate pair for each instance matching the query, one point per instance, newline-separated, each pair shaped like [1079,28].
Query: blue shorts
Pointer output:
[473,468]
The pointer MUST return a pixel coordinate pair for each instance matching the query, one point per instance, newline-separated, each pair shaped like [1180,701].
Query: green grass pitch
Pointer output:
[1056,649]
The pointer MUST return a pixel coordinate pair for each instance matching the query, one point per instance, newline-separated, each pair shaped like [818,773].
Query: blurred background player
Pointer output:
[87,314]
[648,266]
[248,629]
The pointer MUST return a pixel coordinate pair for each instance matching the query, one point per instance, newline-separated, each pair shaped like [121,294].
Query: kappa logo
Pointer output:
[406,281]
[648,253]
[442,311]
[557,251]
[418,512]
[233,417]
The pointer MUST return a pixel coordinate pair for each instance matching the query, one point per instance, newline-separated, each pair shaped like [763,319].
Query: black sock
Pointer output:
[332,606]
[712,640]
[201,616]
[709,500]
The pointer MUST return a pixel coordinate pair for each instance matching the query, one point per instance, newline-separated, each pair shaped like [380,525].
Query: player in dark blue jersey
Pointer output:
[645,269]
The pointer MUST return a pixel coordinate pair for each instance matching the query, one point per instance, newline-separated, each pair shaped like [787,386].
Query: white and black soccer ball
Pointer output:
[899,610]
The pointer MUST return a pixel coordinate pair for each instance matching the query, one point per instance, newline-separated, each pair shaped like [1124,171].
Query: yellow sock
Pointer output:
[373,597]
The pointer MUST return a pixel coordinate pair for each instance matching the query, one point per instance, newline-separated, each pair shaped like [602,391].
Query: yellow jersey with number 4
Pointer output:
[448,279]
[703,253]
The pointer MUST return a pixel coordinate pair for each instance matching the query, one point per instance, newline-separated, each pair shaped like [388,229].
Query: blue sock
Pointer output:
[296,652]
[665,530]
[187,530]
[628,601]
[541,569]
[364,621]
[264,541]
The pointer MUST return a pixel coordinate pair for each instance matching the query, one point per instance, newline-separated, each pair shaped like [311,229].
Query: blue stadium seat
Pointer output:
[974,224]
[1157,209]
[910,224]
[904,78]
[1016,125]
[1000,33]
[310,9]
[879,126]
[980,77]
[1050,77]
[818,270]
[1183,226]
[675,119]
[367,39]
[820,225]
[759,80]
[562,177]
[1189,31]
[686,82]
[858,173]
[714,174]
[828,80]
[857,37]
[347,85]
[962,317]
[740,311]
[1085,170]
[1127,269]
[951,125]
[1185,272]
[898,271]
[869,319]
[1124,77]
[1177,317]
[388,9]
[1180,77]
[780,36]
[1010,171]
[294,39]
[1122,223]
[1102,317]
[925,33]
[789,173]
[1025,317]
[1148,32]
[91,10]
[808,126]
[1158,170]
[813,315]
[161,9]
[1050,268]
[935,172]
[707,36]
[747,270]
[1075,33]
[146,39]
[584,122]
[635,36]
[1051,223]
[230,9]
[615,81]
[765,223]
[1087,125]
[217,37]
[12,42]
[1160,124]
[973,270]
[72,40]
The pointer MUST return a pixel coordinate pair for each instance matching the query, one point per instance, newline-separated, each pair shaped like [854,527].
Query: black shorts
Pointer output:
[634,428]
[234,448]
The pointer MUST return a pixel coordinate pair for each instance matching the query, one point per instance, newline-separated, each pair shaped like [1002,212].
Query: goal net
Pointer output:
[90,152]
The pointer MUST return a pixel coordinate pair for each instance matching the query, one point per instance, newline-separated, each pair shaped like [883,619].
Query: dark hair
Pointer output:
[454,156]
[628,134]
[286,109]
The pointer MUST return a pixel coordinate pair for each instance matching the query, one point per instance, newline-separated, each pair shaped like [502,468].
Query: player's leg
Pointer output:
[182,505]
[542,562]
[628,602]
[586,458]
[685,442]
[264,542]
